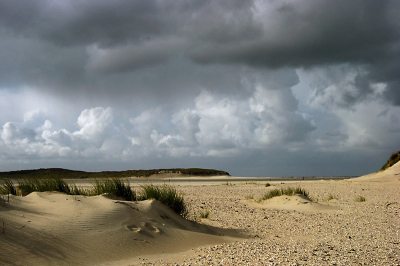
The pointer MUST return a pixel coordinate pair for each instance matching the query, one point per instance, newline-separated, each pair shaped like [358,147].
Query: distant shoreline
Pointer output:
[76,174]
[181,174]
[213,180]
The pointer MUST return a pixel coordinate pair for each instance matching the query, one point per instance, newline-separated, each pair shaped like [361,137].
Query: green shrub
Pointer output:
[167,195]
[268,185]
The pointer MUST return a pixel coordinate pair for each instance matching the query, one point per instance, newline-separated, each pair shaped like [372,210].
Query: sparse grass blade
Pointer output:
[60,185]
[167,195]
[249,197]
[331,197]
[74,190]
[360,199]
[272,193]
[115,187]
[284,191]
[205,214]
[28,186]
[123,190]
[301,191]
[8,187]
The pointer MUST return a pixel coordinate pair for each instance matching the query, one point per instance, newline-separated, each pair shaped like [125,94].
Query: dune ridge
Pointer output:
[391,173]
[47,228]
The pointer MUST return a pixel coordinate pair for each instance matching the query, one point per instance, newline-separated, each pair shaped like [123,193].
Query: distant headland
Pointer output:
[74,174]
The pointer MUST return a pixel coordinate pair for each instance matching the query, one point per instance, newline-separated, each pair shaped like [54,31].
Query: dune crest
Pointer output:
[388,175]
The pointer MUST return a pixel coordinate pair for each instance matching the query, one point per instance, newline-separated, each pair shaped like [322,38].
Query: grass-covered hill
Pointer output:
[394,158]
[65,173]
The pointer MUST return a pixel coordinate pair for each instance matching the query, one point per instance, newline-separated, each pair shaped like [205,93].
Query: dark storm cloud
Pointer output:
[36,63]
[81,44]
[319,33]
[303,34]
[83,22]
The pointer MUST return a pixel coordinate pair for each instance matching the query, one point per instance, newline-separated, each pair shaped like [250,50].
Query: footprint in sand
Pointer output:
[151,227]
[144,229]
[133,228]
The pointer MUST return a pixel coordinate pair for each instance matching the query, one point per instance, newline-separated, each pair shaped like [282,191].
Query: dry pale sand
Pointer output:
[57,229]
[51,228]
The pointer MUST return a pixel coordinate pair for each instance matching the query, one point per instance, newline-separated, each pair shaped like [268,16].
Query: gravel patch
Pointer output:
[356,233]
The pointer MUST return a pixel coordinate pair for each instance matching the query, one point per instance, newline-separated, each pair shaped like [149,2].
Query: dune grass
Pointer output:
[331,197]
[393,159]
[7,187]
[249,197]
[115,187]
[167,195]
[74,190]
[205,214]
[284,191]
[360,199]
[28,186]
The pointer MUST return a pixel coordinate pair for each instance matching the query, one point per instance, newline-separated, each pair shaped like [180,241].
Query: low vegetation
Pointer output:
[393,159]
[285,191]
[115,187]
[28,186]
[7,187]
[248,197]
[205,214]
[331,197]
[167,195]
[360,199]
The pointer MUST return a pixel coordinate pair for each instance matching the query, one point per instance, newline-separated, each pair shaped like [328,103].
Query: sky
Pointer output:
[255,88]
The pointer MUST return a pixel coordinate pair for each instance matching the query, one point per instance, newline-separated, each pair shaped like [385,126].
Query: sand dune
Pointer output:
[295,202]
[57,229]
[390,174]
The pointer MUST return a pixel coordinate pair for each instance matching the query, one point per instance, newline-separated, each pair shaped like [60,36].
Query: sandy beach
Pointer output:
[334,226]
